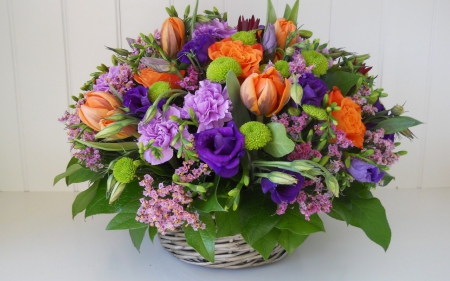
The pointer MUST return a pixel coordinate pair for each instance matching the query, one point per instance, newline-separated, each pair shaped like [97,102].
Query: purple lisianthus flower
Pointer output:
[162,130]
[269,40]
[221,148]
[211,105]
[364,172]
[218,29]
[283,193]
[314,89]
[137,101]
[199,46]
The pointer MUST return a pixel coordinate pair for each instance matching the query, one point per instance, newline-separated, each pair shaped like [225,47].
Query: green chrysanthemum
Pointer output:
[158,89]
[247,37]
[315,112]
[317,59]
[257,135]
[124,170]
[283,68]
[218,69]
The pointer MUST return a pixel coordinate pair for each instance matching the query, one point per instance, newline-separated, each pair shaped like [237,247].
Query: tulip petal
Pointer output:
[248,94]
[92,116]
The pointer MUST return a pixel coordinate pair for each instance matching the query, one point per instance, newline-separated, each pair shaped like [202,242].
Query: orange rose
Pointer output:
[97,107]
[148,77]
[265,94]
[247,56]
[349,117]
[283,28]
[172,36]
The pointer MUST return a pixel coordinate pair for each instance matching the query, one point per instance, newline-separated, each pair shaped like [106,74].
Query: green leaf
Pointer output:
[397,124]
[294,13]
[152,231]
[111,146]
[290,240]
[126,218]
[287,11]
[210,203]
[203,240]
[239,111]
[137,235]
[100,203]
[72,161]
[84,198]
[69,171]
[228,223]
[82,175]
[265,244]
[343,80]
[387,178]
[271,15]
[280,144]
[257,215]
[295,221]
[361,210]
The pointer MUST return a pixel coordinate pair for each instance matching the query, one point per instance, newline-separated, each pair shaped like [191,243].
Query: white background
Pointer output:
[49,47]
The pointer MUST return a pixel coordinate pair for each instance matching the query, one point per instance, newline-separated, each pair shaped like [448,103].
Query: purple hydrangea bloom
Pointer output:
[137,101]
[210,104]
[162,130]
[314,89]
[218,29]
[221,149]
[119,77]
[199,46]
[364,172]
[283,193]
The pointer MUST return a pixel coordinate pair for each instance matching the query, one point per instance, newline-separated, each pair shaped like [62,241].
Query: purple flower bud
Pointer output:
[269,40]
[364,172]
[314,89]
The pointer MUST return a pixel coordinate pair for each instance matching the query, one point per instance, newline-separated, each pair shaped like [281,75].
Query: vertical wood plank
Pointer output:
[41,95]
[181,5]
[405,67]
[436,161]
[11,157]
[141,16]
[314,15]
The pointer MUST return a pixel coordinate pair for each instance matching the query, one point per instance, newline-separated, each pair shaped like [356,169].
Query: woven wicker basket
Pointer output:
[230,252]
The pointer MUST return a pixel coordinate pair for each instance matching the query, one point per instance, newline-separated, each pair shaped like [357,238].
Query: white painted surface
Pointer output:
[50,47]
[39,241]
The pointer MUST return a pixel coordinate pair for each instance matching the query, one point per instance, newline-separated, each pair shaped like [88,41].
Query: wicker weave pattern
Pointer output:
[230,252]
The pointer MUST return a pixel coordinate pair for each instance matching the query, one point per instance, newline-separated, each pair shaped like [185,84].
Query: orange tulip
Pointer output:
[247,56]
[97,107]
[148,77]
[348,117]
[265,94]
[283,28]
[172,36]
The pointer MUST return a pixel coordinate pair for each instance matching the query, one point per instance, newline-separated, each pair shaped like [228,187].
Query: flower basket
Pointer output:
[231,252]
[245,132]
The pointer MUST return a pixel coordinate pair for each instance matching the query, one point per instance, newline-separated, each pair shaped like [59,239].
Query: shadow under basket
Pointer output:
[231,252]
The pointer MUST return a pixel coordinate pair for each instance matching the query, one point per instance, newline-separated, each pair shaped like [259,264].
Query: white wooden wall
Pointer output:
[49,47]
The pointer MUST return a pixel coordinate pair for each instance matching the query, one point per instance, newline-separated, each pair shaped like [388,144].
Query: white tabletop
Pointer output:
[40,241]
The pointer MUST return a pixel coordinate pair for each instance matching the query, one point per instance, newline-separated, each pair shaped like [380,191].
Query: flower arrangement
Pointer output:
[221,130]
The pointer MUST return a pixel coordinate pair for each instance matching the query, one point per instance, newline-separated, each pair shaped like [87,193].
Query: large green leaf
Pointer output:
[290,240]
[294,13]
[228,223]
[280,145]
[152,231]
[271,15]
[100,202]
[265,244]
[69,171]
[137,235]
[358,208]
[257,215]
[126,218]
[82,175]
[111,146]
[295,221]
[343,80]
[397,124]
[203,240]
[239,111]
[210,203]
[84,198]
